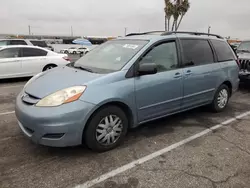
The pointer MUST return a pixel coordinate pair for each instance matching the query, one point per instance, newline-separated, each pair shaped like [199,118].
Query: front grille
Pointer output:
[30,99]
[244,64]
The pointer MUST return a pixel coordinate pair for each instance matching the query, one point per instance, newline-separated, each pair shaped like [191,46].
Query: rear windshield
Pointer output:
[39,43]
[111,56]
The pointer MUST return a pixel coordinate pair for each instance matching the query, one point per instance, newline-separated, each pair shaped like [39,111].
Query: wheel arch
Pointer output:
[229,85]
[50,64]
[123,106]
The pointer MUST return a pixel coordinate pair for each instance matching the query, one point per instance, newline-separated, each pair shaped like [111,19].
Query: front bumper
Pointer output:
[53,126]
[244,76]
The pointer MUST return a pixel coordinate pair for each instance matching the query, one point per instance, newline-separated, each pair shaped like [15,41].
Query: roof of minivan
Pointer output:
[159,37]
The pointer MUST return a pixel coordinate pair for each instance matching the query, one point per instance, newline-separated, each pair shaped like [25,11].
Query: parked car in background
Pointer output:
[68,50]
[82,50]
[243,52]
[33,42]
[75,50]
[42,44]
[124,83]
[24,61]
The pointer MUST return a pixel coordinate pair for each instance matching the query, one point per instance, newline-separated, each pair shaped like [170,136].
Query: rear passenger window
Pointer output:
[223,51]
[32,52]
[197,52]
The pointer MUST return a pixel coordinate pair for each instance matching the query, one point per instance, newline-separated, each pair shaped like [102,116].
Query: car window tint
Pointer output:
[223,51]
[196,52]
[17,42]
[32,52]
[163,55]
[39,43]
[9,53]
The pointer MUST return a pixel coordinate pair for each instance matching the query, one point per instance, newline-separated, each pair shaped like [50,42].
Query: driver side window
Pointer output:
[163,55]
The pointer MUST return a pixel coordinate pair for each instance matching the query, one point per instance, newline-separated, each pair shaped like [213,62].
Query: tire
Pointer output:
[74,52]
[216,106]
[48,67]
[66,51]
[98,121]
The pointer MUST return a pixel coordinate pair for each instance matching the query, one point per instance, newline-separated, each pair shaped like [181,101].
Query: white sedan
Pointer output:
[74,50]
[25,61]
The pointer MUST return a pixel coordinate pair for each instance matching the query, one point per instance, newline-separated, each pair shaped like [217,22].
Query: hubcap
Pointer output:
[109,130]
[222,98]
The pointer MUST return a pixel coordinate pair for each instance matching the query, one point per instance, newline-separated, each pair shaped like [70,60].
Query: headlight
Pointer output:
[63,96]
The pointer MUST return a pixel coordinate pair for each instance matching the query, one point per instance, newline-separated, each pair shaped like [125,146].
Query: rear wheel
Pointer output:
[66,51]
[48,67]
[106,129]
[221,98]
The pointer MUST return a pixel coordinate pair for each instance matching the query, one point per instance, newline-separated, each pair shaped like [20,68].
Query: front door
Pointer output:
[199,67]
[159,94]
[10,64]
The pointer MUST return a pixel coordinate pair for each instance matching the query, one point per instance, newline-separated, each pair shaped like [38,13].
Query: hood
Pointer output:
[58,78]
[243,55]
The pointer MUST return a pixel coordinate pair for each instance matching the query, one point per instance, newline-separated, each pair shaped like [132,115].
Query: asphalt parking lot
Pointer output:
[200,149]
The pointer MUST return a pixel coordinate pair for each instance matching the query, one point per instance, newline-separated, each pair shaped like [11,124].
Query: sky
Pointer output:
[111,17]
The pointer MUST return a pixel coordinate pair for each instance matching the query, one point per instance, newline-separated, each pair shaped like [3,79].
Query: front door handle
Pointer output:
[189,72]
[177,75]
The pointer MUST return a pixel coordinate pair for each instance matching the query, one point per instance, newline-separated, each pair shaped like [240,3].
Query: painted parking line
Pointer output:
[7,113]
[157,153]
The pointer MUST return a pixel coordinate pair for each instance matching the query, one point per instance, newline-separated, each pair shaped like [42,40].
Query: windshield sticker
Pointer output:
[131,46]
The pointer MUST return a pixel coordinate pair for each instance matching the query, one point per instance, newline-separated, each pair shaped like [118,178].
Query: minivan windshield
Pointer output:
[244,46]
[110,56]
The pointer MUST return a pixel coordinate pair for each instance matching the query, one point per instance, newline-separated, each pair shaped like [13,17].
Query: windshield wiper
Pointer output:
[84,68]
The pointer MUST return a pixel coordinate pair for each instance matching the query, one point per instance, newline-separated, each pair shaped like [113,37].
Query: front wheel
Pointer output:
[106,129]
[221,99]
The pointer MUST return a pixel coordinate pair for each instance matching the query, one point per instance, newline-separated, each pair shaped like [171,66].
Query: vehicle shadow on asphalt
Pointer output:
[14,80]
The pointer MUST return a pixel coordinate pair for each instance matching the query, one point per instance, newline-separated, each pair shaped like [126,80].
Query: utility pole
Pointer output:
[29,29]
[208,30]
[71,31]
[125,31]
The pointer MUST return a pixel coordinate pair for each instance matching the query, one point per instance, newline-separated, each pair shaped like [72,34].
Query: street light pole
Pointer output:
[29,29]
[209,28]
[125,31]
[71,31]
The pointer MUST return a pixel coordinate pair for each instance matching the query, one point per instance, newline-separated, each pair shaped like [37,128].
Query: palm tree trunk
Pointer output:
[180,21]
[173,25]
[168,24]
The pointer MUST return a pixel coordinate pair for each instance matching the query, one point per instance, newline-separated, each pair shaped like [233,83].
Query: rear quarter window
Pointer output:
[223,50]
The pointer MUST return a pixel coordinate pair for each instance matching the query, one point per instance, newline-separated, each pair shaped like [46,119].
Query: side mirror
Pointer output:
[147,68]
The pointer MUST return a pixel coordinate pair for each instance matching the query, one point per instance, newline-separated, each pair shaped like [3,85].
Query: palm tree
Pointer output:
[175,9]
[168,13]
[184,7]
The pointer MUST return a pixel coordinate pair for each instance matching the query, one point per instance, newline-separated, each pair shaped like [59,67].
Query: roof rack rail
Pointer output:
[191,33]
[146,33]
